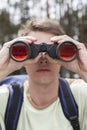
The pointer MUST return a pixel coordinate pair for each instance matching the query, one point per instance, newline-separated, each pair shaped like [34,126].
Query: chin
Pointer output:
[45,81]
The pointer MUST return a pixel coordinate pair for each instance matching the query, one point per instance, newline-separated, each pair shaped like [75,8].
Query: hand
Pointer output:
[79,65]
[8,65]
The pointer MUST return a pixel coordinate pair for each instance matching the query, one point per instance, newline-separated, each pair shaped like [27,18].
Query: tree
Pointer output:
[7,28]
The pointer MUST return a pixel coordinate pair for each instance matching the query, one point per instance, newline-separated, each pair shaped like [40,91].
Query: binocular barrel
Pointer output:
[65,51]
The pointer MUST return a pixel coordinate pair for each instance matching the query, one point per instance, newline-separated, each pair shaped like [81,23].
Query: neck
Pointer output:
[42,96]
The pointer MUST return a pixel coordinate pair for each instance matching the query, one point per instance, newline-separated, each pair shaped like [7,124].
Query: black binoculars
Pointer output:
[65,51]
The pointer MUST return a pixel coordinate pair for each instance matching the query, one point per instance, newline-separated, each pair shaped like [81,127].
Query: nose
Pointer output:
[43,59]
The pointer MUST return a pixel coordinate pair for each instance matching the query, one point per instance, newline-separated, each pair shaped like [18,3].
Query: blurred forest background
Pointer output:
[71,14]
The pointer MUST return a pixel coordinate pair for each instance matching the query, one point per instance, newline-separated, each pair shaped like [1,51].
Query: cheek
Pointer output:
[30,69]
[56,68]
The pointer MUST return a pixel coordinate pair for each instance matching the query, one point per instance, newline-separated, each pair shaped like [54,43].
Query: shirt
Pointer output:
[50,118]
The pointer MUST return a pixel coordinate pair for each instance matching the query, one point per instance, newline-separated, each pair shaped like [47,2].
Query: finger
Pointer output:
[62,38]
[59,38]
[4,56]
[81,46]
[26,39]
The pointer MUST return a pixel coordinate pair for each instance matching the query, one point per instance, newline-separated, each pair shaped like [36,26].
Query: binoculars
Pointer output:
[65,51]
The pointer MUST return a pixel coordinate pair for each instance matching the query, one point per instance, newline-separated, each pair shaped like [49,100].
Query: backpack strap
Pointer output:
[68,103]
[13,106]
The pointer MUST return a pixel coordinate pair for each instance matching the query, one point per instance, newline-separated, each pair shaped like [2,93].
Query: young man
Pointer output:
[41,108]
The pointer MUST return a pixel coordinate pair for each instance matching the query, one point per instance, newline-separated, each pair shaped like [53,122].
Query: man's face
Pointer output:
[43,71]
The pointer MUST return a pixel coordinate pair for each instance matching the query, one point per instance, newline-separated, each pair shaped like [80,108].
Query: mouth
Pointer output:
[43,70]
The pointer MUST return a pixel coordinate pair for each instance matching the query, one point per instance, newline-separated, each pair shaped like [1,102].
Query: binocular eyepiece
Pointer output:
[65,51]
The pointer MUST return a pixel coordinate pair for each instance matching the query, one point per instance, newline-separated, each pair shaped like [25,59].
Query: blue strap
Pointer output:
[14,106]
[15,100]
[10,99]
[68,103]
[16,78]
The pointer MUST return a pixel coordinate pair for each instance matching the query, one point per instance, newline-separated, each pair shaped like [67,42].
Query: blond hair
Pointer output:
[43,25]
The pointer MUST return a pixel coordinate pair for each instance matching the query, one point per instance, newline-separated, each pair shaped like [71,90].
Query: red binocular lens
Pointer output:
[19,51]
[66,51]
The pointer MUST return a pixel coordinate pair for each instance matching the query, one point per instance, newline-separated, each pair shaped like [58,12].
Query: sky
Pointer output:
[3,3]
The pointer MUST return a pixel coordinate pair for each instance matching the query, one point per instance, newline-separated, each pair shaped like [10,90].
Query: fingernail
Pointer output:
[52,38]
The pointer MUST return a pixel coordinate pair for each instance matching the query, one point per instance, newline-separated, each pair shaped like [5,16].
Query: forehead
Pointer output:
[42,37]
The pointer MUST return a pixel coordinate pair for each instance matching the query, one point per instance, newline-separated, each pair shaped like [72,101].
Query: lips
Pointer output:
[43,70]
